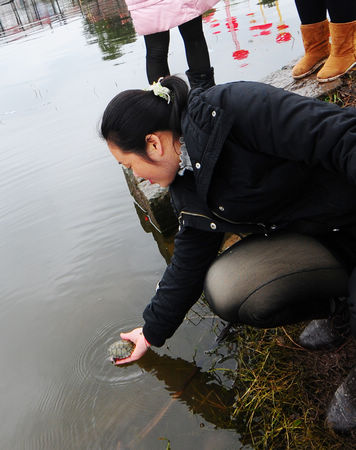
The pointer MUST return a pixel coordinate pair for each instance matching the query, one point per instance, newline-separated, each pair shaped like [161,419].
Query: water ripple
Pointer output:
[72,411]
[94,362]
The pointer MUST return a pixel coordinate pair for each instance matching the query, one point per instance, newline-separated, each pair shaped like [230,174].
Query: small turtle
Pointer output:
[121,349]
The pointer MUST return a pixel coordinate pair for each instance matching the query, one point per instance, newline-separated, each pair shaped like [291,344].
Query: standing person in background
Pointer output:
[339,56]
[154,19]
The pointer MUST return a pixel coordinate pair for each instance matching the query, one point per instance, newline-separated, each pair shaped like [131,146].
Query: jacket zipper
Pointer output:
[262,225]
[193,214]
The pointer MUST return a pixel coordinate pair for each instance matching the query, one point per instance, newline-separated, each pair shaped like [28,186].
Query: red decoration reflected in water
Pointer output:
[264,26]
[209,15]
[232,24]
[283,37]
[240,54]
[282,27]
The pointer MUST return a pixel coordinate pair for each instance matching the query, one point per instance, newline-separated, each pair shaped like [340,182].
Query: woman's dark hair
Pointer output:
[133,114]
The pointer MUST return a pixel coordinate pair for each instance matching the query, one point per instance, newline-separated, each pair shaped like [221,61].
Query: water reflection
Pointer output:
[97,405]
[259,25]
[93,361]
[232,25]
[106,23]
[201,391]
[111,32]
[77,267]
[282,36]
[21,15]
[165,243]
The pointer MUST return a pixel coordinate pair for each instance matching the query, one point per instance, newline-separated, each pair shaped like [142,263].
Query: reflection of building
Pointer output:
[104,9]
[108,21]
[17,16]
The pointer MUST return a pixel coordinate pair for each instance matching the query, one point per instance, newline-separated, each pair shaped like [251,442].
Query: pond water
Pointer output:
[77,267]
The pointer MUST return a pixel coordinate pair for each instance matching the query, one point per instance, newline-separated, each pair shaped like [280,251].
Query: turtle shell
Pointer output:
[121,349]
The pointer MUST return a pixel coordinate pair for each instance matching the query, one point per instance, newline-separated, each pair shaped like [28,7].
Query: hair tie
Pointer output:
[159,90]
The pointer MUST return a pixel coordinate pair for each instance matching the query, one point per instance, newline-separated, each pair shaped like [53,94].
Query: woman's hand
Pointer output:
[136,336]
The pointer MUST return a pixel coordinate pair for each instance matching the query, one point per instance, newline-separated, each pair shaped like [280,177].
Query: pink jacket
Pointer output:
[152,16]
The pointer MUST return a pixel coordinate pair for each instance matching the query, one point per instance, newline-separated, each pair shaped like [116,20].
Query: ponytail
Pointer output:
[133,114]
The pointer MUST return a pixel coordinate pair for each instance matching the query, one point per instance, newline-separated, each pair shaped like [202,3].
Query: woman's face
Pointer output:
[163,164]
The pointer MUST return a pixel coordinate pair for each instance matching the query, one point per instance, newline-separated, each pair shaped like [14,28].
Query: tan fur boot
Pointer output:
[343,51]
[317,48]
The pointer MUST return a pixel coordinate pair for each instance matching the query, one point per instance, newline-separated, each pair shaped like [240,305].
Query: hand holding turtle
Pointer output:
[141,346]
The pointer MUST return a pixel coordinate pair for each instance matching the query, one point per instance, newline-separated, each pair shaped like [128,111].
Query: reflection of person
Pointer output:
[340,56]
[244,157]
[155,19]
[199,390]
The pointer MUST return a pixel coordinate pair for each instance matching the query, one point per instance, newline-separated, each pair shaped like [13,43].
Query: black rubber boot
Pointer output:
[341,416]
[202,80]
[327,334]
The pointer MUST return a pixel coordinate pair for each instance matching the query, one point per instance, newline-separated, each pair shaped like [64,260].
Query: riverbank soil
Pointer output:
[346,94]
[283,390]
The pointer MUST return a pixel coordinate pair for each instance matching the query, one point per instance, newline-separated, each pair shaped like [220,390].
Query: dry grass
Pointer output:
[283,390]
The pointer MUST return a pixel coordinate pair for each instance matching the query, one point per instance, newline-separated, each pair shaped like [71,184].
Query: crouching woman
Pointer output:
[248,158]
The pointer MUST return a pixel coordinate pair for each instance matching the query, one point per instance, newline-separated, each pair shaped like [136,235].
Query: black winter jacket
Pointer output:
[264,159]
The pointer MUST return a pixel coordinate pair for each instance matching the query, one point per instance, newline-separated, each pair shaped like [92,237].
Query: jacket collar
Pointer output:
[205,128]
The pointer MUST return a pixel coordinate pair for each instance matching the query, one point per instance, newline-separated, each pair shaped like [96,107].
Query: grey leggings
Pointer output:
[269,282]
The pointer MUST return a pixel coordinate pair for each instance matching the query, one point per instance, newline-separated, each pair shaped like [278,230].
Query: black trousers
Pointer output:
[313,11]
[283,279]
[196,50]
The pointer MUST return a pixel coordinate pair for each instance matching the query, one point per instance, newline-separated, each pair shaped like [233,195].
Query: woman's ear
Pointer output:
[154,148]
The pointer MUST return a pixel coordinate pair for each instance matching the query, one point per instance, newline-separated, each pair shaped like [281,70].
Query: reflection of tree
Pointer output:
[112,33]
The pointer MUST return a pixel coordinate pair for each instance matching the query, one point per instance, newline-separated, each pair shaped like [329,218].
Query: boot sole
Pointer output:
[312,70]
[325,80]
